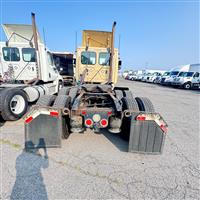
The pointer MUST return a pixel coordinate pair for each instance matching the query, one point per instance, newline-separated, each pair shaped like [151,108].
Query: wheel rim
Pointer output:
[187,86]
[17,104]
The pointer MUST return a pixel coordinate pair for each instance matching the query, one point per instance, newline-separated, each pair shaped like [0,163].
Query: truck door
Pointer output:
[53,72]
[28,70]
[10,62]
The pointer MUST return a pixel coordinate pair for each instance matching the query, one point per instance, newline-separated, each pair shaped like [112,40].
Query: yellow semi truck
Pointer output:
[95,103]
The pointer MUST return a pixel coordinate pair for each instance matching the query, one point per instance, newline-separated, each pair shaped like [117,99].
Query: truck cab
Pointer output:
[64,62]
[93,65]
[168,79]
[18,62]
[27,70]
[187,80]
[18,57]
[94,60]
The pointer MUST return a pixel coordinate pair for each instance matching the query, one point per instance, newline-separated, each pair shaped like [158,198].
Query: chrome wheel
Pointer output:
[17,104]
[187,86]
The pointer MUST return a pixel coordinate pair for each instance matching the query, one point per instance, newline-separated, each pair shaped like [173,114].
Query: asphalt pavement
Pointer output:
[98,166]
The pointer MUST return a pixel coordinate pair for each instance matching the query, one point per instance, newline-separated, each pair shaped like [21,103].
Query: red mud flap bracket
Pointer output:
[147,133]
[43,128]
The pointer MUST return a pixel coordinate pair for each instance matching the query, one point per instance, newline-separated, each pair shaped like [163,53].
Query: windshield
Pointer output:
[156,74]
[181,73]
[166,73]
[29,54]
[104,58]
[11,54]
[174,73]
[186,74]
[88,58]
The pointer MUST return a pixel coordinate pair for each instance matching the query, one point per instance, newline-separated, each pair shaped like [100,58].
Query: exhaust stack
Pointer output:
[112,53]
[35,37]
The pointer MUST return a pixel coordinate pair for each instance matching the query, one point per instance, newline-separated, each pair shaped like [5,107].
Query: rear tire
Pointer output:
[119,94]
[72,93]
[145,104]
[128,103]
[128,94]
[13,104]
[46,100]
[64,91]
[64,101]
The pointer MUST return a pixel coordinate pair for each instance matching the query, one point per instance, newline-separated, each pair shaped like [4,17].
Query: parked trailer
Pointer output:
[96,104]
[27,70]
[64,62]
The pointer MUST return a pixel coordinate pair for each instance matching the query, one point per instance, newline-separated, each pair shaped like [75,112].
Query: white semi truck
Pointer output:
[27,70]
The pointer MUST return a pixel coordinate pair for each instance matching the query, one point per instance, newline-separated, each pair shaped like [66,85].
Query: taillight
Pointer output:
[109,113]
[28,120]
[83,112]
[163,127]
[104,122]
[140,118]
[53,113]
[88,122]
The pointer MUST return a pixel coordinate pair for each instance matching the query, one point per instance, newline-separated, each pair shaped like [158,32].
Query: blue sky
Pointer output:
[154,34]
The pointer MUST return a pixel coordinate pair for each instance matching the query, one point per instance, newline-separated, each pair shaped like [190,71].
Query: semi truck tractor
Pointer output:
[95,103]
[27,70]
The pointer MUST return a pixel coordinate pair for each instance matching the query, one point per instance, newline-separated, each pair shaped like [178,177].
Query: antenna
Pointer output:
[75,41]
[119,43]
[44,37]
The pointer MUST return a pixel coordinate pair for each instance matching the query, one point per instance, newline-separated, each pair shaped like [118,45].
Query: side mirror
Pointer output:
[7,43]
[119,64]
[74,62]
[31,44]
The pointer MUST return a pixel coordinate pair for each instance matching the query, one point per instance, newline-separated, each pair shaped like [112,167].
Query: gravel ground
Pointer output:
[97,166]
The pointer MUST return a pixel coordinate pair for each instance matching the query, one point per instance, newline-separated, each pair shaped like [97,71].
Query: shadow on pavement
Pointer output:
[29,182]
[121,144]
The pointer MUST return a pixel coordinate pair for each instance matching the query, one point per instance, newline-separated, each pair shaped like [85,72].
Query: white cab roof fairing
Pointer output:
[14,30]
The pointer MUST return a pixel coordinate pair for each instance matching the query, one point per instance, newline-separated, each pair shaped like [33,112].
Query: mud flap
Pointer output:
[147,133]
[43,128]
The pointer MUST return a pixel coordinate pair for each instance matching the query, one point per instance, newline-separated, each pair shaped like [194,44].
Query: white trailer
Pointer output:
[27,70]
